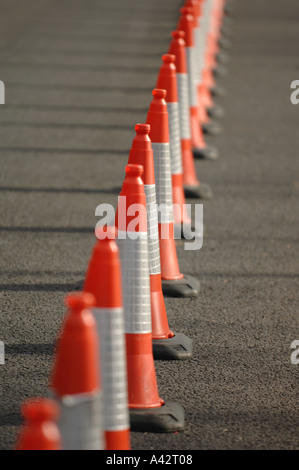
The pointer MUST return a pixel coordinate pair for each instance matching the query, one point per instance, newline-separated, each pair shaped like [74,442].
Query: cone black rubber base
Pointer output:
[226,30]
[201,191]
[216,112]
[229,8]
[224,43]
[188,286]
[169,417]
[222,57]
[220,71]
[207,153]
[212,128]
[218,90]
[177,348]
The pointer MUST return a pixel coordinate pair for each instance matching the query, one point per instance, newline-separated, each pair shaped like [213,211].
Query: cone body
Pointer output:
[141,153]
[177,48]
[199,33]
[40,430]
[75,381]
[103,280]
[157,117]
[133,249]
[186,24]
[167,80]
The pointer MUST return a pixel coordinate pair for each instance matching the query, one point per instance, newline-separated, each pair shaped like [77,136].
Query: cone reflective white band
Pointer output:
[174,138]
[200,50]
[80,421]
[135,280]
[110,325]
[162,167]
[190,53]
[185,131]
[153,231]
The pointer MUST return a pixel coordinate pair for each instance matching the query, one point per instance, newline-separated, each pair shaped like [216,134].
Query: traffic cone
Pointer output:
[166,343]
[167,80]
[39,430]
[174,283]
[200,148]
[225,29]
[192,186]
[75,378]
[148,412]
[204,120]
[103,280]
[210,87]
[221,56]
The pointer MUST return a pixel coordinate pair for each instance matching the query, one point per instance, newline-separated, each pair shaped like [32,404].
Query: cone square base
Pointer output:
[220,91]
[206,153]
[188,286]
[216,111]
[220,71]
[179,347]
[200,191]
[212,128]
[169,417]
[225,43]
[222,57]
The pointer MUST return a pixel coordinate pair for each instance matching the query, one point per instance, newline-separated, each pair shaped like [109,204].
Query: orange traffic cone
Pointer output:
[40,430]
[148,412]
[192,187]
[204,120]
[209,86]
[166,343]
[200,148]
[75,380]
[174,283]
[218,56]
[167,80]
[103,280]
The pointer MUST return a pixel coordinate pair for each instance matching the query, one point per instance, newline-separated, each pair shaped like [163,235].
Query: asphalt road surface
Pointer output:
[79,76]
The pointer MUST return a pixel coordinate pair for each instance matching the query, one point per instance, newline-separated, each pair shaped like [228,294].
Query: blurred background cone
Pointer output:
[209,127]
[39,430]
[148,412]
[199,146]
[167,80]
[166,343]
[103,280]
[75,378]
[192,186]
[209,86]
[174,283]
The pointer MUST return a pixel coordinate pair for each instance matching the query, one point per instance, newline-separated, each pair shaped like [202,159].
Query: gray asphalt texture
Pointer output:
[79,76]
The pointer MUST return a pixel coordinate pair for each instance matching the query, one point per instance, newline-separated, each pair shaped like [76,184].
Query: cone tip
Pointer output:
[142,128]
[134,170]
[178,34]
[40,409]
[78,301]
[168,58]
[159,93]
